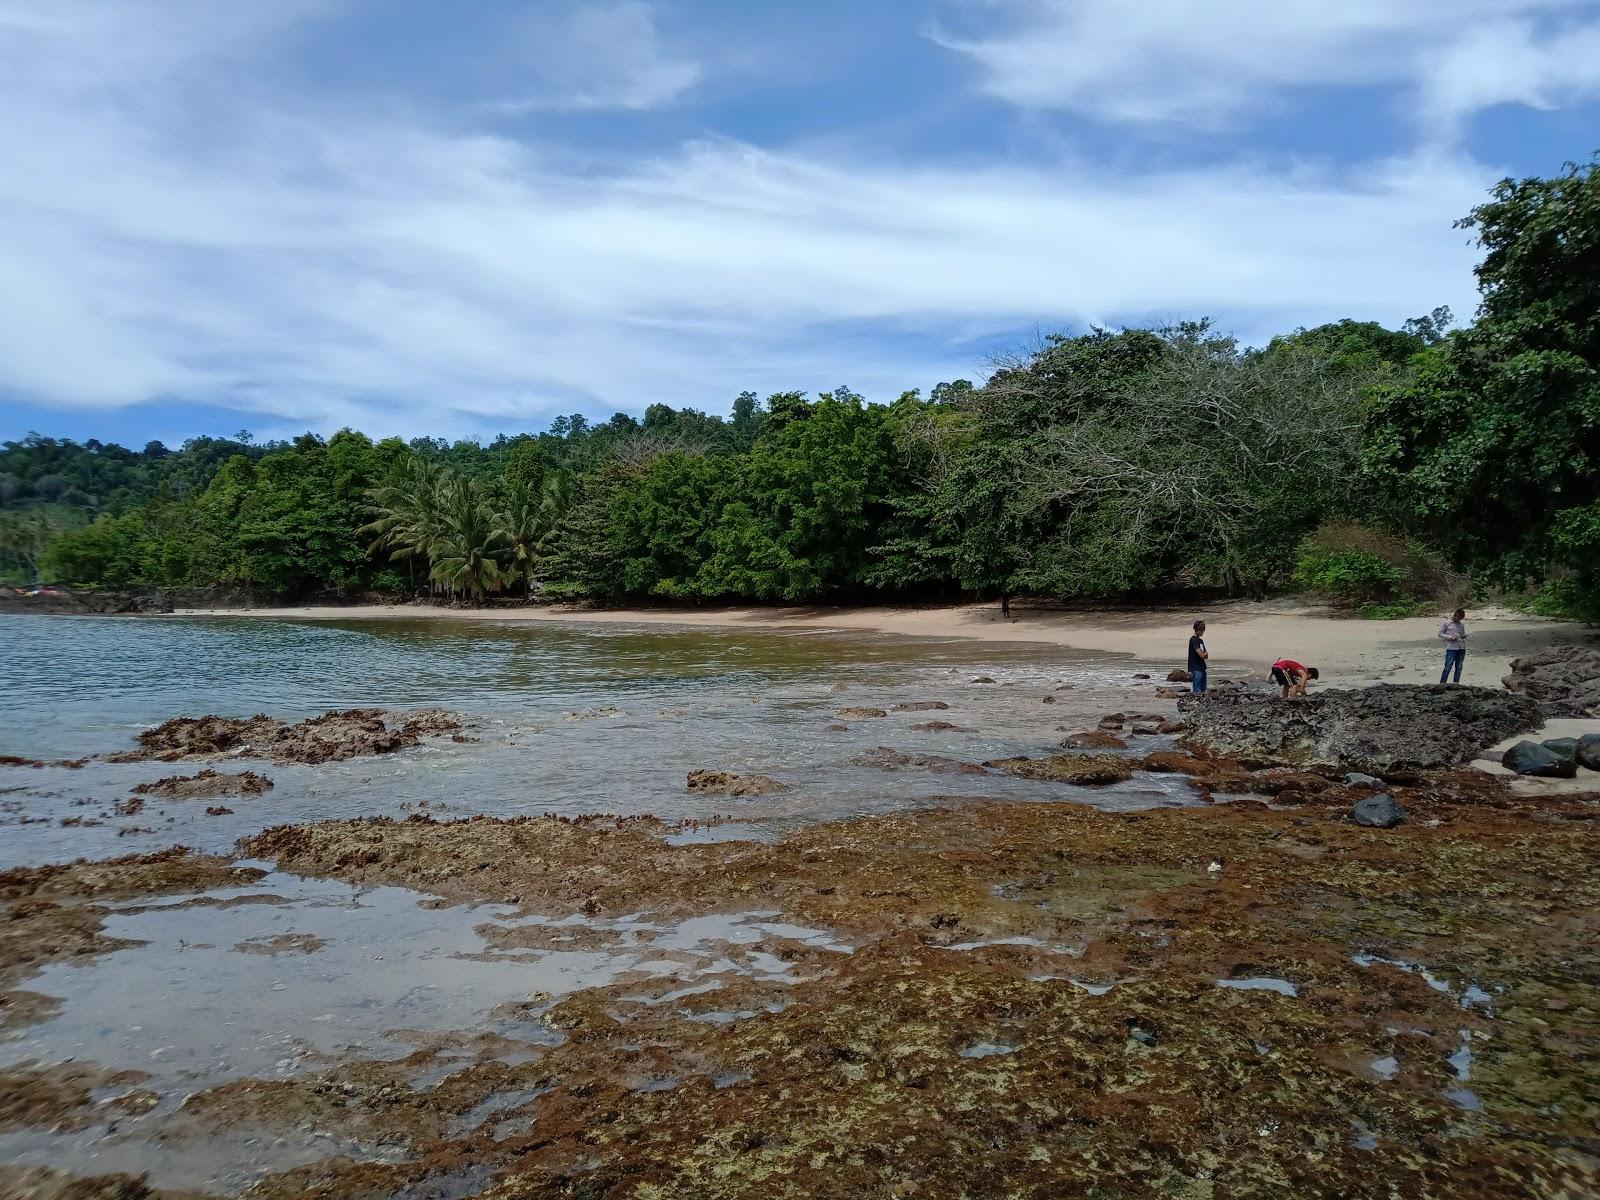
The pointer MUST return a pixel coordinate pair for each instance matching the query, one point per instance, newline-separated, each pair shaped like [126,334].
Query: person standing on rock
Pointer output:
[1453,633]
[1293,677]
[1199,657]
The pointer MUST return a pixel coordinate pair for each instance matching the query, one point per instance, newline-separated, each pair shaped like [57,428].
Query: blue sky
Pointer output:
[459,220]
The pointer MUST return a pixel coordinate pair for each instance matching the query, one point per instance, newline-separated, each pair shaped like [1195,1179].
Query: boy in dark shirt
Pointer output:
[1198,657]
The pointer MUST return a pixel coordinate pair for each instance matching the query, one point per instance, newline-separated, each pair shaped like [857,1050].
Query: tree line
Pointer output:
[1365,461]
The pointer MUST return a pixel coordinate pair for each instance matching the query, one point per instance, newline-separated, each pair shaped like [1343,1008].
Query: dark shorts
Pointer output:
[1280,677]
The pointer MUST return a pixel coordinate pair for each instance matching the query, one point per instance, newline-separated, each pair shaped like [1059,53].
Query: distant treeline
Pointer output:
[1363,461]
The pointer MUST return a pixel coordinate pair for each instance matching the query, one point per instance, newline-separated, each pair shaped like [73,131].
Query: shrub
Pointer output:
[1384,576]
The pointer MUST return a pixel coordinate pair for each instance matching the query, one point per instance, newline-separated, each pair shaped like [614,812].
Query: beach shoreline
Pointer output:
[1244,636]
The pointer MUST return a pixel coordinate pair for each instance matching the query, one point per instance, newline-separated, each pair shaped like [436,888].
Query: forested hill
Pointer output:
[1368,462]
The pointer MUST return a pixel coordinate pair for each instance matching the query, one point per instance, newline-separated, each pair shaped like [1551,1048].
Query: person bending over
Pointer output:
[1293,677]
[1199,658]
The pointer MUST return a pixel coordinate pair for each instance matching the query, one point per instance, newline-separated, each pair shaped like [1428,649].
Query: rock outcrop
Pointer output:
[1384,730]
[1564,679]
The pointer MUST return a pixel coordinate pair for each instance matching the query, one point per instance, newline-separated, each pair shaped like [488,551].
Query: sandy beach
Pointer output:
[1244,637]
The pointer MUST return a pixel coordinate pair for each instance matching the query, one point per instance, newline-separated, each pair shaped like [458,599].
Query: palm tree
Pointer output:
[528,522]
[470,551]
[407,515]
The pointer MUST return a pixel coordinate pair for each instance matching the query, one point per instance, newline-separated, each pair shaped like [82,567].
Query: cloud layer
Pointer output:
[1205,64]
[183,224]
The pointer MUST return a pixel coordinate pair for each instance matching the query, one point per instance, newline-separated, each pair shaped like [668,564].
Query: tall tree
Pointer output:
[1495,448]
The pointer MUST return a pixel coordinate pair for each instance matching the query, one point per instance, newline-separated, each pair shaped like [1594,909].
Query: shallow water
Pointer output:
[288,975]
[571,720]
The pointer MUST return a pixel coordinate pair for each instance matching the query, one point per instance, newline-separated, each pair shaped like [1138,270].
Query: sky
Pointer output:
[461,220]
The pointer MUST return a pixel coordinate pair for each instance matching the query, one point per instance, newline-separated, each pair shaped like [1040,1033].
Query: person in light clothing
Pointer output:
[1453,633]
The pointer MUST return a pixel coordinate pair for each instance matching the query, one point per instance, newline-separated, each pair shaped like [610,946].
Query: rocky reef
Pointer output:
[1386,729]
[331,737]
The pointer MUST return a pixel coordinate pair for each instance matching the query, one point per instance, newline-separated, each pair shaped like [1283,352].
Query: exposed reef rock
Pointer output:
[332,737]
[861,713]
[1565,679]
[208,783]
[721,783]
[886,758]
[1080,769]
[1384,729]
[1042,1000]
[1093,739]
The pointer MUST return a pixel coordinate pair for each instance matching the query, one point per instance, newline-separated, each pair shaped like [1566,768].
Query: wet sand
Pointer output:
[1244,637]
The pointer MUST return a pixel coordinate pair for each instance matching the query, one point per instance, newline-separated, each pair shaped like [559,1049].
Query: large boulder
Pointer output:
[1589,751]
[1565,679]
[1383,730]
[1530,758]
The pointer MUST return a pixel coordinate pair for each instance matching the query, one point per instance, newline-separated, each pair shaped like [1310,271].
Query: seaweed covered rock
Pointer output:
[1383,729]
[207,783]
[1564,679]
[1080,769]
[331,737]
[1093,739]
[887,758]
[721,783]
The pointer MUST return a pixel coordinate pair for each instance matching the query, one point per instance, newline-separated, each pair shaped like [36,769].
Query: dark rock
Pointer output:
[1094,739]
[922,706]
[1378,812]
[1141,675]
[1589,751]
[1049,699]
[1172,693]
[1530,758]
[934,726]
[1179,676]
[1357,779]
[983,679]
[1383,730]
[1565,679]
[1172,726]
[1566,747]
[1146,730]
[837,728]
[862,713]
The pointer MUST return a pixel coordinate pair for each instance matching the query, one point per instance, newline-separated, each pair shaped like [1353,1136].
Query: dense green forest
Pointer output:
[1368,463]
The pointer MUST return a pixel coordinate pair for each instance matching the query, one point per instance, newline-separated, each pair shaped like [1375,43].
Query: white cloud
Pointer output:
[600,55]
[318,264]
[1201,65]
